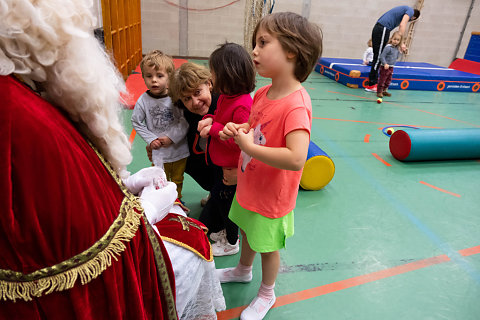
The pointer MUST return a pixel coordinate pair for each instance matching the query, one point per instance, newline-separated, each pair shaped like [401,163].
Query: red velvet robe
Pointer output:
[56,200]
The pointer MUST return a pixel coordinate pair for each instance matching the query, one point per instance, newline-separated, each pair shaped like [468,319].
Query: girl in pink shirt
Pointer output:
[233,76]
[274,146]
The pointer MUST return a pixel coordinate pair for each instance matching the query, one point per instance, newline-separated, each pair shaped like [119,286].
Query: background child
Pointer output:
[233,77]
[368,54]
[388,57]
[274,148]
[160,123]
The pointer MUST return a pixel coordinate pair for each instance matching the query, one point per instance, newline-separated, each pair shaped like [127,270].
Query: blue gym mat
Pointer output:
[406,75]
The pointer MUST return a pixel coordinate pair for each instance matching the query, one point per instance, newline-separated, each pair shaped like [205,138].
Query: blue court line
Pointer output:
[398,205]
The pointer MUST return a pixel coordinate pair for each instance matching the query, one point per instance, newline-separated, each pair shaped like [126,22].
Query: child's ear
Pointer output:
[291,55]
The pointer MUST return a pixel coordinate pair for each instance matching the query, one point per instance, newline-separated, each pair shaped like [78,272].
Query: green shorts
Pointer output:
[263,234]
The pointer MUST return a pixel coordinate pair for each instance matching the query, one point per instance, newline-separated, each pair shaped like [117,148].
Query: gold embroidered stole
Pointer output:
[90,264]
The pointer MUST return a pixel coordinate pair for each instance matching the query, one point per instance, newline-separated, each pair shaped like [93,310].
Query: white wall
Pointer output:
[161,25]
[346,25]
[473,25]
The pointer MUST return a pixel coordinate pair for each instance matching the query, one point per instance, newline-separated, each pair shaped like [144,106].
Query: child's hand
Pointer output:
[244,138]
[403,48]
[165,141]
[155,144]
[204,123]
[205,131]
[231,130]
[386,66]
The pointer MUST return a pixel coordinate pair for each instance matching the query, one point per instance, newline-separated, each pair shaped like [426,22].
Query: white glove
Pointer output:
[157,203]
[143,178]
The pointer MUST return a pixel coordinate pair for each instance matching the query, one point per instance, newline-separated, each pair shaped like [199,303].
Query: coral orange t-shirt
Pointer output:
[261,188]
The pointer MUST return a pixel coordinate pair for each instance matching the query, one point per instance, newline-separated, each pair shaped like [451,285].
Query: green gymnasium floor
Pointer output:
[384,239]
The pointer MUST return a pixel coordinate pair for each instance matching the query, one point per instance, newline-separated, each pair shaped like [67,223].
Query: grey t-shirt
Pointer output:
[155,117]
[389,55]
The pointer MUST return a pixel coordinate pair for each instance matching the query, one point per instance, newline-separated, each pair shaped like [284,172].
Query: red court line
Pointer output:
[460,82]
[435,114]
[381,160]
[366,139]
[132,136]
[337,71]
[440,189]
[470,251]
[342,284]
[361,121]
[408,107]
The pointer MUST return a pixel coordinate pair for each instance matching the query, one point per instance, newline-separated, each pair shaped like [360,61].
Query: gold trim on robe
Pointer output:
[90,264]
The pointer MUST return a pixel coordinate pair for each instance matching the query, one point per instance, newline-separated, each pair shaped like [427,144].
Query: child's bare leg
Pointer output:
[270,265]
[247,255]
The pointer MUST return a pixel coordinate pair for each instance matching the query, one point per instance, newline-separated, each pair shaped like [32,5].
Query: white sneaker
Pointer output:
[257,309]
[204,200]
[226,275]
[218,236]
[223,248]
[372,88]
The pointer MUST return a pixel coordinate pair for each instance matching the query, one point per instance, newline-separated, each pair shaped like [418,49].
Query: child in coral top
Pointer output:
[233,76]
[274,146]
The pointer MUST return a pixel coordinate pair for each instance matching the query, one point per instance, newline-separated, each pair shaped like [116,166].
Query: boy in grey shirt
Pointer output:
[160,123]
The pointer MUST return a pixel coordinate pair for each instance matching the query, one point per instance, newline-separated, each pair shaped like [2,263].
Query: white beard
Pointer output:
[52,42]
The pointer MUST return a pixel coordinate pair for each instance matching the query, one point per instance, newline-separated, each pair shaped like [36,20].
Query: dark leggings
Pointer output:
[380,37]
[215,213]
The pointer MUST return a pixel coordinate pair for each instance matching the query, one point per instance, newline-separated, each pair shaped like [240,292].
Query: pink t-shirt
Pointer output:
[261,188]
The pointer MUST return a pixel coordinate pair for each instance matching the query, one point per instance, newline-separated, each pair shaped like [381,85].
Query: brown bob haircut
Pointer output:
[296,35]
[233,68]
[187,78]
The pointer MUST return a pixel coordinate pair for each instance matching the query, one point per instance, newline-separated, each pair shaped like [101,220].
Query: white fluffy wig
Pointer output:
[52,42]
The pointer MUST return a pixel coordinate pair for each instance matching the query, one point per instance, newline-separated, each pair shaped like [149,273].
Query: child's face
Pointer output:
[396,40]
[156,80]
[269,57]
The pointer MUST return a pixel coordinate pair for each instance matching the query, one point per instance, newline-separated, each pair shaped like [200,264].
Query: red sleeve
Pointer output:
[240,115]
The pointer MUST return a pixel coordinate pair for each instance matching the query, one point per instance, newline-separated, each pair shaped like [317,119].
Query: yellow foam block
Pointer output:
[355,74]
[317,173]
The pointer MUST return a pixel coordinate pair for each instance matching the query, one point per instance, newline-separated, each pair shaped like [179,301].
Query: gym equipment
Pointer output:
[318,170]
